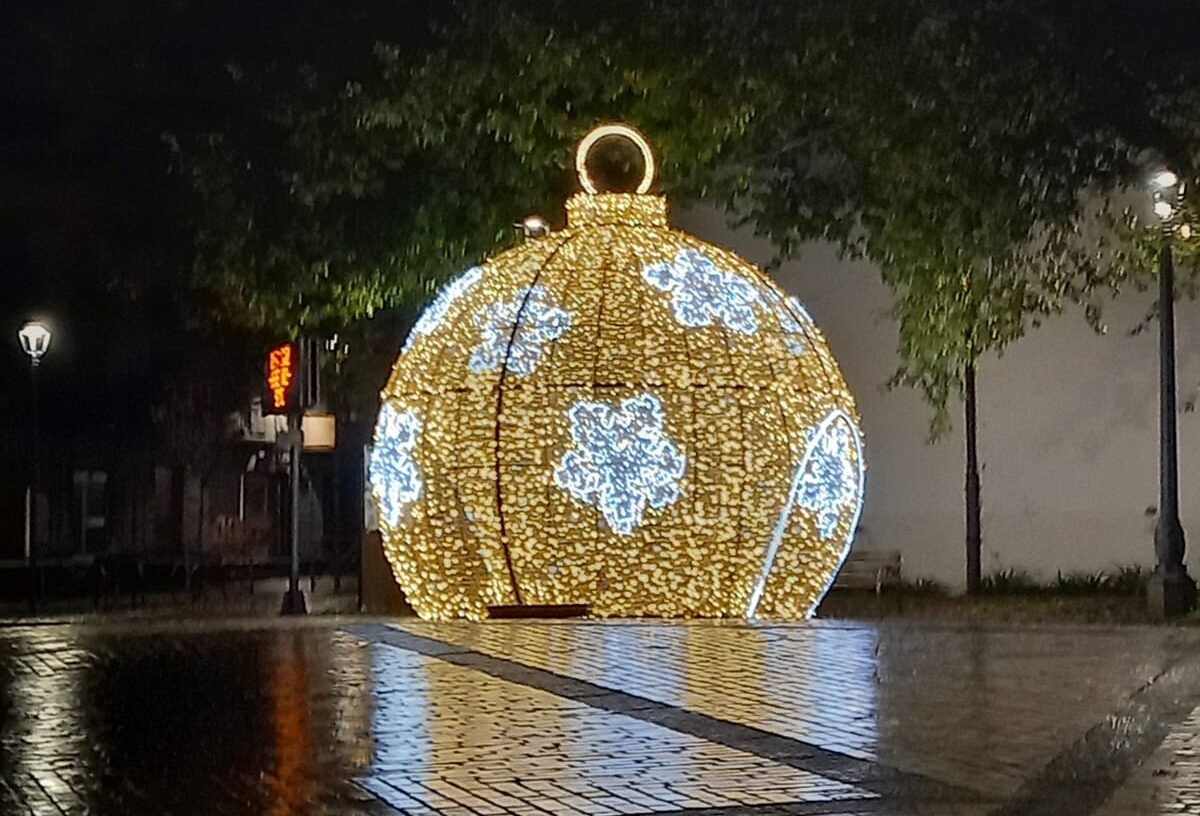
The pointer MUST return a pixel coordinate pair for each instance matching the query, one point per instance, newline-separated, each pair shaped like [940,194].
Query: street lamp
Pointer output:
[1171,590]
[35,340]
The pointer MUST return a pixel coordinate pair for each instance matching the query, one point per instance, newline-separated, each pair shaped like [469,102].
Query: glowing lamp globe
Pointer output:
[35,340]
[621,415]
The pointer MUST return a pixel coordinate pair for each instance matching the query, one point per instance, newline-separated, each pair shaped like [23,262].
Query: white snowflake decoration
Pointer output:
[538,321]
[436,311]
[395,479]
[621,461]
[830,480]
[790,312]
[702,293]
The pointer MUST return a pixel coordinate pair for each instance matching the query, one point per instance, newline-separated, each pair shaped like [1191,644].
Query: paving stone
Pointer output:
[1168,782]
[532,717]
[978,708]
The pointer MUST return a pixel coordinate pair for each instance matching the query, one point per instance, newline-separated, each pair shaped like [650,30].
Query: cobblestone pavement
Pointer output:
[534,718]
[1169,782]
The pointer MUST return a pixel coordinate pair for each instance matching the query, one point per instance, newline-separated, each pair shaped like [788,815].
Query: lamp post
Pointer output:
[35,340]
[1171,590]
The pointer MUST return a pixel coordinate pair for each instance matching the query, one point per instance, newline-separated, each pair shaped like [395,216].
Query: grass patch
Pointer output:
[1127,580]
[1011,596]
[920,586]
[1010,582]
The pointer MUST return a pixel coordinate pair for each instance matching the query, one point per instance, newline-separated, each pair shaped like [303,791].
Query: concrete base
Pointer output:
[293,604]
[1171,594]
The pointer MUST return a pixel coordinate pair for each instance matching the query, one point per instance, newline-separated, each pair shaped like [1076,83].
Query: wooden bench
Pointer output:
[869,569]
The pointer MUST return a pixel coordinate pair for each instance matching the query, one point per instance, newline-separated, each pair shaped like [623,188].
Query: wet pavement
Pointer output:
[346,716]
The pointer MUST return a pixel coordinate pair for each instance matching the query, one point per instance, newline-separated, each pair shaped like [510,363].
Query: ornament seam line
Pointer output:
[504,545]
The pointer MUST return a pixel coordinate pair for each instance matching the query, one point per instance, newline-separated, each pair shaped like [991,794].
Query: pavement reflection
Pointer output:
[335,717]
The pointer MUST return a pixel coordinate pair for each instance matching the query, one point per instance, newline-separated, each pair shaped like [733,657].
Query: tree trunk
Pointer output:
[179,479]
[190,567]
[178,497]
[974,530]
[200,518]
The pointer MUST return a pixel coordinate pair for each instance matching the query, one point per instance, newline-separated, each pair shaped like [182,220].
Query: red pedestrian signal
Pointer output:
[281,370]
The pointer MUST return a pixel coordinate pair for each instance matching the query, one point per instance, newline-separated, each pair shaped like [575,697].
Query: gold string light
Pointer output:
[620,415]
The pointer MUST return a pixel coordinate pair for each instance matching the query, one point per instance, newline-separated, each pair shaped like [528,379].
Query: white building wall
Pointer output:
[1068,429]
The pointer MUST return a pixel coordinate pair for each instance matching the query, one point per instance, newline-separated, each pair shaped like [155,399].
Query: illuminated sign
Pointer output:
[320,432]
[280,379]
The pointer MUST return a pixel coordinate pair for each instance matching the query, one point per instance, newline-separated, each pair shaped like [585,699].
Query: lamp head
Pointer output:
[35,340]
[1167,190]
[1164,179]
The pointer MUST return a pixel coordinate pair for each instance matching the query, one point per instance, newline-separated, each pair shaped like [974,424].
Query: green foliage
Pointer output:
[971,151]
[356,195]
[1010,581]
[967,156]
[1130,579]
[206,386]
[1139,242]
[921,586]
[1080,583]
[1125,580]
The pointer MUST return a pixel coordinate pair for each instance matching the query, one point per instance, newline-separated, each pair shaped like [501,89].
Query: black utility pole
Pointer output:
[1171,590]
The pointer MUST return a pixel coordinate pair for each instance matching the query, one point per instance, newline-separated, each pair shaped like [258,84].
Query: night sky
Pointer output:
[94,229]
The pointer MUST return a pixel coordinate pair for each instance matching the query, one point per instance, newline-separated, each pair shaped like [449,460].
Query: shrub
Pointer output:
[922,586]
[1082,583]
[1009,581]
[1129,580]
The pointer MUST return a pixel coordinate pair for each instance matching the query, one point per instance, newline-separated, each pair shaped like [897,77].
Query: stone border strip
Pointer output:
[1084,775]
[841,807]
[895,786]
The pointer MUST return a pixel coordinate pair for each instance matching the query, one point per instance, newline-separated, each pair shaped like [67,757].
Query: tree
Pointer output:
[359,191]
[195,417]
[970,152]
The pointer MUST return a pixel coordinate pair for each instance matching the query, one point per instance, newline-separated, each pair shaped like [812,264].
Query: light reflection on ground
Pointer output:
[341,717]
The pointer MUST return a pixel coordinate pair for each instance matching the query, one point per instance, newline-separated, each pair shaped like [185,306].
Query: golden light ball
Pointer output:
[621,415]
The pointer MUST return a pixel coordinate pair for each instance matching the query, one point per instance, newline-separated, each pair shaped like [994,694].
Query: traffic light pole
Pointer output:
[293,600]
[293,385]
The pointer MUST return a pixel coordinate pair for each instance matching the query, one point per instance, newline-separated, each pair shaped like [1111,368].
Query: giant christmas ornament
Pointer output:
[620,415]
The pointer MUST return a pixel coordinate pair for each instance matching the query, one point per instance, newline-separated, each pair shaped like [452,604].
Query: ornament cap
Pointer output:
[630,209]
[615,129]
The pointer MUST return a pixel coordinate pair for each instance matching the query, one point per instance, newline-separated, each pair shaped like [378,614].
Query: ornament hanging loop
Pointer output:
[598,133]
